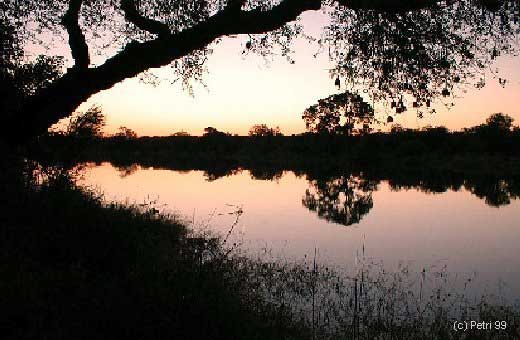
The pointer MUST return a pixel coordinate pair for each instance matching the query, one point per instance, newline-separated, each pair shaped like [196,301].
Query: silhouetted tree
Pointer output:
[496,125]
[87,124]
[180,134]
[262,130]
[126,133]
[338,114]
[435,130]
[393,48]
[213,132]
[500,122]
[396,128]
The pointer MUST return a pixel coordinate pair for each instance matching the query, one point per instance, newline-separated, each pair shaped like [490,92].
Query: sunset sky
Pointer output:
[243,90]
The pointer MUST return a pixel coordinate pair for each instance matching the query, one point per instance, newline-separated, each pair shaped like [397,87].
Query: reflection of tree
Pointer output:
[266,174]
[128,170]
[496,192]
[343,200]
[431,184]
[221,171]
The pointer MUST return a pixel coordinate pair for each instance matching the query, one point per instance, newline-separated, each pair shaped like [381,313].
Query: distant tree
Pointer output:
[500,122]
[87,124]
[213,132]
[497,123]
[339,114]
[396,128]
[435,130]
[262,130]
[210,131]
[180,134]
[126,133]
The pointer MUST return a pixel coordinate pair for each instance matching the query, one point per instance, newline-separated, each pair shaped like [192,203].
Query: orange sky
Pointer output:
[246,90]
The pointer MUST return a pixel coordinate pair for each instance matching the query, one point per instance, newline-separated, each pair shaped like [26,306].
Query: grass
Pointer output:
[76,267]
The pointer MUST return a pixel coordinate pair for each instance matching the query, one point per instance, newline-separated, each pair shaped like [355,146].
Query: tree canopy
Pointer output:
[213,132]
[125,133]
[339,114]
[262,130]
[87,124]
[404,52]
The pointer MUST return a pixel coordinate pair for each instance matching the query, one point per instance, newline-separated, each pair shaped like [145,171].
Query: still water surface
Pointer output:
[469,231]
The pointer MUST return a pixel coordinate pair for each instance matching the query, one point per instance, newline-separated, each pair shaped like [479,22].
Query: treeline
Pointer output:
[437,147]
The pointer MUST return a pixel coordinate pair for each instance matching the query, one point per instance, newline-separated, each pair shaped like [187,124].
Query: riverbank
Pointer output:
[73,267]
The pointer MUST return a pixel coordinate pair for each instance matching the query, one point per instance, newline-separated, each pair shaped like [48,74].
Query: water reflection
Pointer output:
[495,191]
[346,197]
[422,219]
[343,200]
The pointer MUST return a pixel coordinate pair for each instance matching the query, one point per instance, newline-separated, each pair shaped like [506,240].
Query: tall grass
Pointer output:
[372,303]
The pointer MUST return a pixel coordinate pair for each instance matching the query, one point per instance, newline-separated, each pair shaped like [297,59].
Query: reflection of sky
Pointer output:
[453,228]
[245,90]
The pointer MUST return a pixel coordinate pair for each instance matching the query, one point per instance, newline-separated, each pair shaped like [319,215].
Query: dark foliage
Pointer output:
[339,114]
[262,130]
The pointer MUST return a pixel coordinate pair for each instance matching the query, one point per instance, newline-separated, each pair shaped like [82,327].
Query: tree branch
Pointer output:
[77,43]
[258,21]
[64,95]
[153,26]
[138,57]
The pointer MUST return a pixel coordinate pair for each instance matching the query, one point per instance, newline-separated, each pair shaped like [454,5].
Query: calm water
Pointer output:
[472,228]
